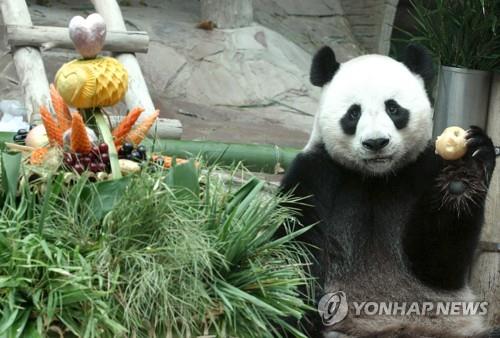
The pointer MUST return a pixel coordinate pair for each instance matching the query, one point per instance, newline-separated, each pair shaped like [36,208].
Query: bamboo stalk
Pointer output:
[258,158]
[103,127]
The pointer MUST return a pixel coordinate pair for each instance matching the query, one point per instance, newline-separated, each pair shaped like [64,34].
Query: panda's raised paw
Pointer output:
[480,148]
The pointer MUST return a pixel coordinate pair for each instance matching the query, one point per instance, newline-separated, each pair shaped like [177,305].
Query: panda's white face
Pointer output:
[374,115]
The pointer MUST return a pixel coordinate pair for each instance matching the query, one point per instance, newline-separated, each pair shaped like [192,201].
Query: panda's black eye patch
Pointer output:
[398,114]
[349,121]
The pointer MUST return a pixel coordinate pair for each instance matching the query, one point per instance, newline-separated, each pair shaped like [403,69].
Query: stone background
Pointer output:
[244,85]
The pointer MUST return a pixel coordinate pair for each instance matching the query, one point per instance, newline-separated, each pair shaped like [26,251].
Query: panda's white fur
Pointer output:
[358,81]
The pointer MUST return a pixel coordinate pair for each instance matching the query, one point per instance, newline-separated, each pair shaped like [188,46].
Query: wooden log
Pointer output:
[228,13]
[138,93]
[486,271]
[28,61]
[46,37]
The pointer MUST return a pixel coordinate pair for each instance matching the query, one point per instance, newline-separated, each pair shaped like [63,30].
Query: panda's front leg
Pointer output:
[463,184]
[441,239]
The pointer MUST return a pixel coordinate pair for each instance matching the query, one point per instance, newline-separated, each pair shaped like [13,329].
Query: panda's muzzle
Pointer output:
[375,144]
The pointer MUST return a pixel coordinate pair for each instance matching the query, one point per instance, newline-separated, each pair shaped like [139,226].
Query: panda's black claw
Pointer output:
[478,140]
[480,150]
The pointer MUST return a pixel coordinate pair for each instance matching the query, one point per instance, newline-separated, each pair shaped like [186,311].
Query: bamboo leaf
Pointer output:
[8,319]
[11,165]
[184,178]
[103,196]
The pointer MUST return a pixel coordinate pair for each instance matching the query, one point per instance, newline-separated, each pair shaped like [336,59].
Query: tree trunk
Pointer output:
[227,13]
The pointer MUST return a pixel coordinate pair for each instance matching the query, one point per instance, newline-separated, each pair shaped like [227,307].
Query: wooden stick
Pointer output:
[58,37]
[28,61]
[138,93]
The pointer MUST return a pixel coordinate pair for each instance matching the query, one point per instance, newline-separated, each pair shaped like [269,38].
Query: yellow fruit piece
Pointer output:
[128,167]
[451,145]
[92,83]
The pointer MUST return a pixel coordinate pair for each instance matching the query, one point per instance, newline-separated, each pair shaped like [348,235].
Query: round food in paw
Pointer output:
[452,144]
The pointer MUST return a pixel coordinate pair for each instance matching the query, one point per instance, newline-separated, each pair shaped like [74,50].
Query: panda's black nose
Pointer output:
[375,144]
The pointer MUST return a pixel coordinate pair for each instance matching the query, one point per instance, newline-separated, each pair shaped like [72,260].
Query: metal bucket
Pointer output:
[462,98]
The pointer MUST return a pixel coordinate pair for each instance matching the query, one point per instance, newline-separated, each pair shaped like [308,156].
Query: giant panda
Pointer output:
[393,220]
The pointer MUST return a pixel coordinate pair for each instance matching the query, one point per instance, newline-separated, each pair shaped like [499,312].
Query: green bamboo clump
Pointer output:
[182,253]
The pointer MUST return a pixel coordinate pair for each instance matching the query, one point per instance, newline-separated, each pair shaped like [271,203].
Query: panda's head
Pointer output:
[374,115]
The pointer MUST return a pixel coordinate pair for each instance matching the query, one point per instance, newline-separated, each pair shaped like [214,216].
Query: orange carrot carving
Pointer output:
[126,125]
[61,108]
[38,155]
[138,134]
[80,142]
[54,133]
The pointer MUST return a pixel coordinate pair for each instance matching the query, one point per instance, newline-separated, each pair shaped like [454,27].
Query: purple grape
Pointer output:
[19,139]
[85,161]
[68,159]
[78,168]
[127,148]
[105,158]
[101,167]
[94,167]
[136,156]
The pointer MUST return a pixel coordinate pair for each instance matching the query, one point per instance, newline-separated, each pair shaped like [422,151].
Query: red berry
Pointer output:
[95,150]
[103,148]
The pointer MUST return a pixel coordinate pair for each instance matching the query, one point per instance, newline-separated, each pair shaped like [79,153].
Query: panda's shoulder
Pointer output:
[310,168]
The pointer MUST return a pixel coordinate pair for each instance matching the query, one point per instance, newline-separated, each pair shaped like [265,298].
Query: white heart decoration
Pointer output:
[88,35]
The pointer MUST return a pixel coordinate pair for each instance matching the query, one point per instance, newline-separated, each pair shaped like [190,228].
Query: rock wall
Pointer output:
[371,22]
[310,24]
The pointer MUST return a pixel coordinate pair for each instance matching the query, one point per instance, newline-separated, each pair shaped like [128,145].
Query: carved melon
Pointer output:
[92,83]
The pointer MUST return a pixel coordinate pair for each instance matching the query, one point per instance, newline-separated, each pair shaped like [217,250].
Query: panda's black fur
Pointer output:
[408,235]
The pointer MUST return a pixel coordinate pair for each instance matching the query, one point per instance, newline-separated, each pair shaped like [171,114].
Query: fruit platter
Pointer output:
[102,235]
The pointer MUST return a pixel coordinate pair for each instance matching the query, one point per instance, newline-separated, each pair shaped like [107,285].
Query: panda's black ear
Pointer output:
[419,61]
[324,66]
